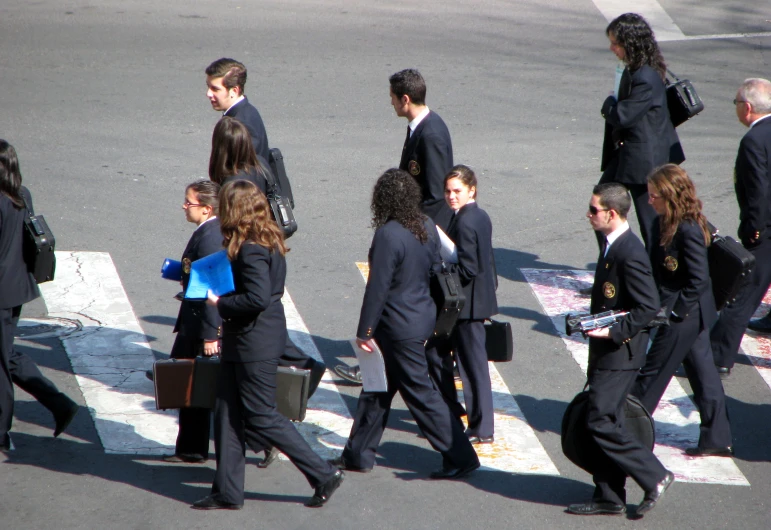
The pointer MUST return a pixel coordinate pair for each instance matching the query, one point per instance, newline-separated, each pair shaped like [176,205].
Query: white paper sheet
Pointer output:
[372,366]
[449,251]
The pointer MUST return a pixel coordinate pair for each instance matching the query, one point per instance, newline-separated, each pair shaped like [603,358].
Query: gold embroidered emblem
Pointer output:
[670,263]
[186,265]
[609,290]
[414,168]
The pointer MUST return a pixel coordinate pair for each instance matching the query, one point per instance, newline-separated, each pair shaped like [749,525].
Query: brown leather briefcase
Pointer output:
[173,380]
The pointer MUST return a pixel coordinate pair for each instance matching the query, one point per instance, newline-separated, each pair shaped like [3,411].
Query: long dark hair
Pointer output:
[633,33]
[244,216]
[232,150]
[397,196]
[676,189]
[10,175]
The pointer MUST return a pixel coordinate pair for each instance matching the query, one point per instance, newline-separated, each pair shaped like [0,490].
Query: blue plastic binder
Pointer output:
[212,273]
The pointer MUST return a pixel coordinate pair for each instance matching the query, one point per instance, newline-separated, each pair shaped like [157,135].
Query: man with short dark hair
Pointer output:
[623,281]
[752,182]
[225,80]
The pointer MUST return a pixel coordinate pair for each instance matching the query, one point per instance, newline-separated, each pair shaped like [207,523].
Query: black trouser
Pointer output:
[8,319]
[407,373]
[646,215]
[440,370]
[727,334]
[194,423]
[469,338]
[688,343]
[245,411]
[623,455]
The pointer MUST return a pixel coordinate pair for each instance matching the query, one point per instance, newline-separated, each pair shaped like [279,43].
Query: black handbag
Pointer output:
[277,166]
[730,267]
[448,296]
[280,207]
[683,101]
[38,246]
[577,442]
[499,341]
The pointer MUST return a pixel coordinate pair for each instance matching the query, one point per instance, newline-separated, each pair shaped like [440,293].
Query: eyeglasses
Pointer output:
[594,210]
[188,204]
[740,101]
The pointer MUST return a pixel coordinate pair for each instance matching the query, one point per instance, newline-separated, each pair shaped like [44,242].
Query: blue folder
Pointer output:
[212,273]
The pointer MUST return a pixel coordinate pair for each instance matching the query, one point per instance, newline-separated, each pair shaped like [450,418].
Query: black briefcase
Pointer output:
[292,391]
[449,299]
[730,267]
[577,443]
[277,166]
[205,375]
[280,207]
[38,246]
[683,101]
[499,341]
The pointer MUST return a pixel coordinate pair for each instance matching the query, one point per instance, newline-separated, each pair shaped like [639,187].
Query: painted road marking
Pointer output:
[663,25]
[110,354]
[757,346]
[516,448]
[677,418]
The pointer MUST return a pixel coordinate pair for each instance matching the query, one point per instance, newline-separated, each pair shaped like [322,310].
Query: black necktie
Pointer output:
[406,140]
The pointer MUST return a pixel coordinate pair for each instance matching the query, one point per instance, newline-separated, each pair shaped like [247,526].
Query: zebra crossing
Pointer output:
[109,354]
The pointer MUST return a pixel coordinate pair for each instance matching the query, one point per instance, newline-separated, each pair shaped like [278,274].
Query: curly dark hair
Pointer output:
[634,34]
[397,196]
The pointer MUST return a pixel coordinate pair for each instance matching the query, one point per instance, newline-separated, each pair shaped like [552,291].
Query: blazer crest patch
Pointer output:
[414,168]
[186,265]
[670,262]
[609,290]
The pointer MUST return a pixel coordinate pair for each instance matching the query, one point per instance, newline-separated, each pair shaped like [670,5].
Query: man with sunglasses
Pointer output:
[752,182]
[623,281]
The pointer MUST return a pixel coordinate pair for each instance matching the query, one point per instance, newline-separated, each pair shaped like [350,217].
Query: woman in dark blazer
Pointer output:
[472,232]
[253,338]
[399,315]
[198,325]
[232,155]
[17,287]
[639,135]
[681,269]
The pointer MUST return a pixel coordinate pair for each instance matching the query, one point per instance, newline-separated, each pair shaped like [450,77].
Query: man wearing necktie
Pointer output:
[623,281]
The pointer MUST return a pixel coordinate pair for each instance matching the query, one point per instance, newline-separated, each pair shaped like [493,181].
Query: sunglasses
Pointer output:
[594,210]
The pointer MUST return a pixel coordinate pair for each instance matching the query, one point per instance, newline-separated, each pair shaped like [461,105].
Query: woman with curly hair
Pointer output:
[399,315]
[681,270]
[472,232]
[639,135]
[253,338]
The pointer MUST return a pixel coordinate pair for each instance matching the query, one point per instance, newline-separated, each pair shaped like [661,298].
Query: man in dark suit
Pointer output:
[623,281]
[225,80]
[752,182]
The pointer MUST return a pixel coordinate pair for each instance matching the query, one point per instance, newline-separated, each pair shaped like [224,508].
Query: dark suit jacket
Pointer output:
[198,320]
[427,156]
[638,129]
[247,114]
[681,271]
[623,281]
[397,298]
[253,321]
[256,178]
[17,285]
[753,182]
[472,232]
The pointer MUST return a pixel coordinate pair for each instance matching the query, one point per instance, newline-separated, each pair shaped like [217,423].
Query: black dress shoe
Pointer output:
[149,374]
[213,503]
[454,473]
[63,419]
[349,373]
[340,463]
[723,371]
[181,458]
[324,491]
[597,508]
[477,440]
[655,495]
[270,456]
[761,325]
[710,451]
[587,291]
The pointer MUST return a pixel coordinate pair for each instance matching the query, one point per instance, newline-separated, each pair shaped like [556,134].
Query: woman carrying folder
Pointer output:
[233,157]
[472,232]
[253,338]
[399,315]
[198,325]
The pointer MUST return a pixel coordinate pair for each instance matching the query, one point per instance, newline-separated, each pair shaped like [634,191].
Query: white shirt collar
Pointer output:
[236,102]
[615,234]
[419,118]
[209,219]
[761,118]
